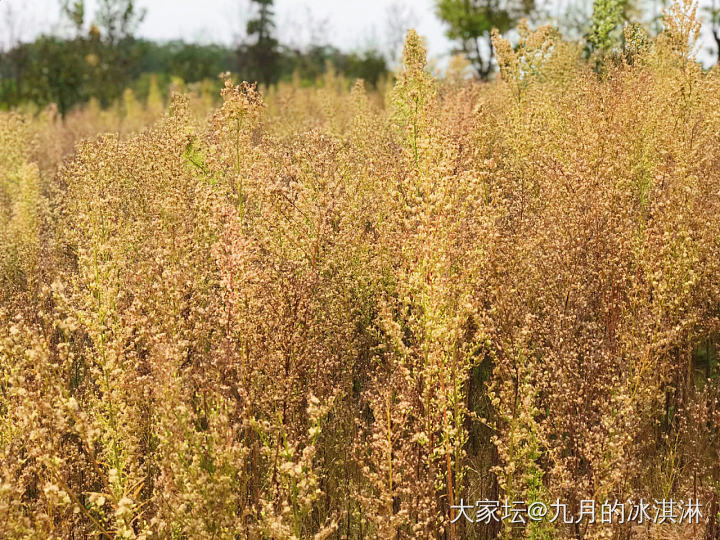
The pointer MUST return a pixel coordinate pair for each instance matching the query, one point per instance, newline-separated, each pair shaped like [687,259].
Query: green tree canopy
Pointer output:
[470,23]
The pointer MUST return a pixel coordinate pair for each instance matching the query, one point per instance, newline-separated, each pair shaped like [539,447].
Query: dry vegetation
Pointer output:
[328,314]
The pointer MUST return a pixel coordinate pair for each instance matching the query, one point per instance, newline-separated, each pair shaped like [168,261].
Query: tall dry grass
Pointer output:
[332,314]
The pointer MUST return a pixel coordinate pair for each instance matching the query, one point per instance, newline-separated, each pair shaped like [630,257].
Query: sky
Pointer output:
[347,24]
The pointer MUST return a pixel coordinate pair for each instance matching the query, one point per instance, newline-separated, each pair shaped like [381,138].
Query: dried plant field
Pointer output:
[337,313]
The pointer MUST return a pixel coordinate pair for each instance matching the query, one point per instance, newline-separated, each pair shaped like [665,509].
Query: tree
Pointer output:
[470,23]
[74,12]
[13,56]
[262,56]
[118,19]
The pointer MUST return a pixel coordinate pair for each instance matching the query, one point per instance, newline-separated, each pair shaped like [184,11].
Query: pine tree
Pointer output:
[262,55]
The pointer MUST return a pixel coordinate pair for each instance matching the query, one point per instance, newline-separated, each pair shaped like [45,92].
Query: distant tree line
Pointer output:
[100,62]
